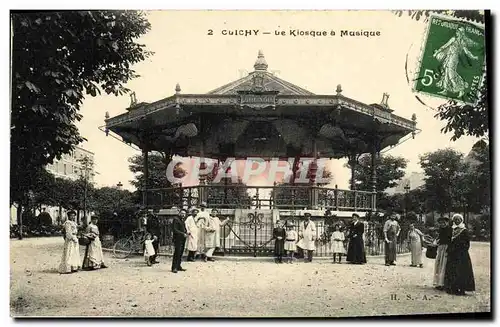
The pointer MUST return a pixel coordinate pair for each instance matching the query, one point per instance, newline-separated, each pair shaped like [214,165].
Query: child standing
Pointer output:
[149,250]
[337,241]
[290,243]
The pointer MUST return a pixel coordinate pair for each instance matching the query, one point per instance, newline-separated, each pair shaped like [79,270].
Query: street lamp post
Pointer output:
[407,191]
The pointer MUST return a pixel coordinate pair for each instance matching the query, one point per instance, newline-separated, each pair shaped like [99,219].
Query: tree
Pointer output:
[461,119]
[58,58]
[389,169]
[110,200]
[157,177]
[442,170]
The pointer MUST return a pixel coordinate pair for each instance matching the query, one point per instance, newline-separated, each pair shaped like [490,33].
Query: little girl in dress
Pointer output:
[149,250]
[337,241]
[290,243]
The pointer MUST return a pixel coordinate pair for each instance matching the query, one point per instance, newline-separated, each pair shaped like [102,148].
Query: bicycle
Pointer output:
[124,247]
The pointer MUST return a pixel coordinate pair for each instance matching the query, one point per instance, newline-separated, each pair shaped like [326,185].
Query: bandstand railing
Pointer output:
[259,197]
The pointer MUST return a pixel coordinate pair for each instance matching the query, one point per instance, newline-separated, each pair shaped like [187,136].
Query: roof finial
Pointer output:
[339,89]
[260,63]
[385,100]
[133,99]
[177,88]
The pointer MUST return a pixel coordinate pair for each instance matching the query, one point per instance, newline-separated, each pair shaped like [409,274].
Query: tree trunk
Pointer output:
[20,220]
[59,218]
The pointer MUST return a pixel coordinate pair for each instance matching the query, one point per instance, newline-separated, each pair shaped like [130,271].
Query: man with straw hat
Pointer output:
[308,237]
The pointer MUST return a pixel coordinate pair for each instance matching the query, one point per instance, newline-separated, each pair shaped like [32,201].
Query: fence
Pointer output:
[253,236]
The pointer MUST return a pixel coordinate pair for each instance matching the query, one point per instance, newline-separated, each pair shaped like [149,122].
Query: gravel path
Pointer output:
[233,288]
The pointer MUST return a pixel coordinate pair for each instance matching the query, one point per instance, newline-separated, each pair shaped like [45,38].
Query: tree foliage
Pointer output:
[57,59]
[390,170]
[461,119]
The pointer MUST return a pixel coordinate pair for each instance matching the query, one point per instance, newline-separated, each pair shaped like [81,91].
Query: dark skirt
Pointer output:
[459,275]
[356,251]
[390,248]
[279,247]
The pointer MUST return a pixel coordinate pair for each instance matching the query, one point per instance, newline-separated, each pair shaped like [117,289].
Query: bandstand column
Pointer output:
[374,156]
[145,156]
[313,168]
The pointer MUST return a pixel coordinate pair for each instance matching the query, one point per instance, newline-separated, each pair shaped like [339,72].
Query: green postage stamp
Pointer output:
[452,60]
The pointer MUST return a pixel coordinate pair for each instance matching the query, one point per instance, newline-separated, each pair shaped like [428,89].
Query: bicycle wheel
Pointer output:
[122,248]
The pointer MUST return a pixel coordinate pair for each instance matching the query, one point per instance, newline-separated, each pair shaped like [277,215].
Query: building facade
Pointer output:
[70,165]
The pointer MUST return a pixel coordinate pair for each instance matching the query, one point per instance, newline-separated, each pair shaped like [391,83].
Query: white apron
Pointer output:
[191,228]
[308,234]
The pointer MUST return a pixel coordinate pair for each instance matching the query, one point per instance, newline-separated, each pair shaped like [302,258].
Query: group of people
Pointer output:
[93,258]
[287,240]
[453,271]
[199,232]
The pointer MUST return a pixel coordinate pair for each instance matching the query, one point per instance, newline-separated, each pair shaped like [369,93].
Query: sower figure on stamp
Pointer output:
[179,239]
[279,235]
[307,234]
[192,231]
[356,248]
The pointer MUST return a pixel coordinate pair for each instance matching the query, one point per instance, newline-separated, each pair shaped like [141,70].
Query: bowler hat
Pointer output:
[355,215]
[307,214]
[71,212]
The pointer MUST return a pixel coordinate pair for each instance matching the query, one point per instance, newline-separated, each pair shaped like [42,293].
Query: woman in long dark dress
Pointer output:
[459,276]
[279,235]
[356,248]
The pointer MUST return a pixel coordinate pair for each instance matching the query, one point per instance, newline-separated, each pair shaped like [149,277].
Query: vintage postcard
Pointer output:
[250,163]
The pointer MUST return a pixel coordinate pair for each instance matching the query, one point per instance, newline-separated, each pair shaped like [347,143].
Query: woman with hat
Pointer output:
[356,248]
[192,231]
[93,253]
[459,276]
[70,261]
[443,241]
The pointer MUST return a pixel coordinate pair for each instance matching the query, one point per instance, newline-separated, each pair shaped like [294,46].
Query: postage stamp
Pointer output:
[452,60]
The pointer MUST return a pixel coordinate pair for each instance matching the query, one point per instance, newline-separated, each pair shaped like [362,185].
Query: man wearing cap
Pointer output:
[308,236]
[192,234]
[443,241]
[391,233]
[179,239]
[356,248]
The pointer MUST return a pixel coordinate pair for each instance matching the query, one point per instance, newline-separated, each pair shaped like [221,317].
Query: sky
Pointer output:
[366,67]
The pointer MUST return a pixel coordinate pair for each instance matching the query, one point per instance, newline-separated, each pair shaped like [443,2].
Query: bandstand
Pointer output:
[262,116]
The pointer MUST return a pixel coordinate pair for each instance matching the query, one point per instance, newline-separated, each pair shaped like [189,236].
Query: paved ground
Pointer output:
[232,288]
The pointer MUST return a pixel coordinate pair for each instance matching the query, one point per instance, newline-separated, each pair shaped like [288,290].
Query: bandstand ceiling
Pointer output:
[260,115]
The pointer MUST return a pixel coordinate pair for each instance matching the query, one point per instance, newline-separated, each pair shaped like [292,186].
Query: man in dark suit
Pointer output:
[179,238]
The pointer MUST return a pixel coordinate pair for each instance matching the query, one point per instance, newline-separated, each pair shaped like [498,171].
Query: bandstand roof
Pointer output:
[260,115]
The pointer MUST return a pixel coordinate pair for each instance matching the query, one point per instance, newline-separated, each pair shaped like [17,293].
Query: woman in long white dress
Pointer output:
[70,261]
[94,258]
[415,245]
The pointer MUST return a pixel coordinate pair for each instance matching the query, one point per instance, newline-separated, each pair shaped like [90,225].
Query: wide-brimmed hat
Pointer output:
[355,215]
[307,214]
